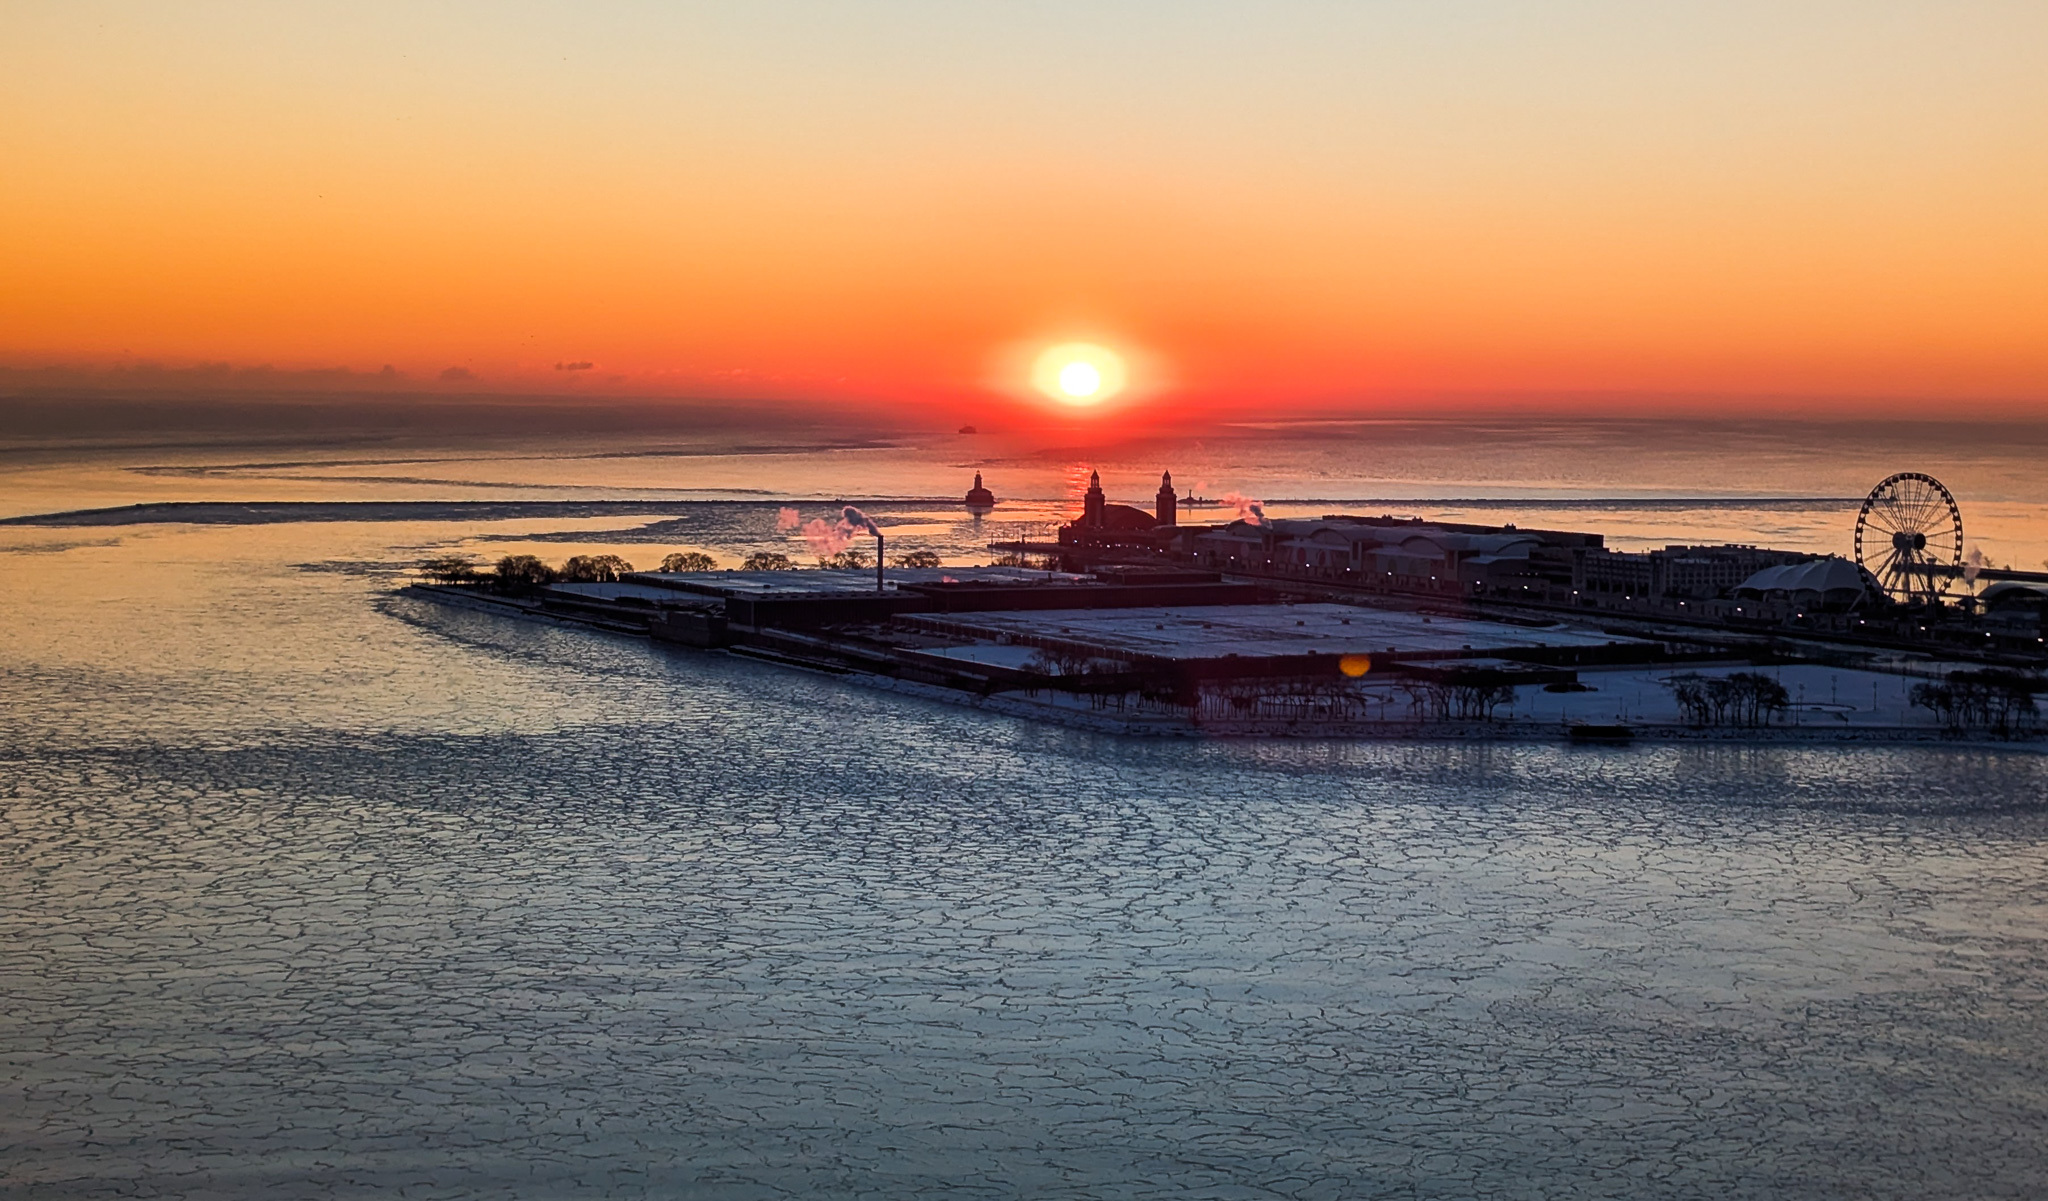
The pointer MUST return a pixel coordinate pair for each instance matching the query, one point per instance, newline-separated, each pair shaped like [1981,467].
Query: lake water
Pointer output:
[316,890]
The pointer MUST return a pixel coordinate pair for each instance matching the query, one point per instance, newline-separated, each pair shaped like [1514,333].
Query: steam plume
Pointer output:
[826,539]
[1248,510]
[786,520]
[1974,563]
[860,521]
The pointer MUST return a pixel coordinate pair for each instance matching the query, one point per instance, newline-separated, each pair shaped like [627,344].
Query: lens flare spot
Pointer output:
[1355,665]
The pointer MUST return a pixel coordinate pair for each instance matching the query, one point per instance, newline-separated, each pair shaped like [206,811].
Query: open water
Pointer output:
[314,890]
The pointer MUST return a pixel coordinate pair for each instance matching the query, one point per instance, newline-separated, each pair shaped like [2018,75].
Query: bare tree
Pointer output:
[1428,698]
[1744,698]
[2001,702]
[767,560]
[1063,661]
[689,560]
[851,559]
[1690,691]
[1476,699]
[1757,697]
[519,572]
[917,558]
[594,569]
[450,569]
[1938,699]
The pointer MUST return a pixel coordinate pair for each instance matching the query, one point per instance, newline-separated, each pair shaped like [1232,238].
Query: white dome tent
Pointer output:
[1826,583]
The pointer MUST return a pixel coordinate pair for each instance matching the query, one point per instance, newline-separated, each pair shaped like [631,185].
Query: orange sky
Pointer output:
[1304,203]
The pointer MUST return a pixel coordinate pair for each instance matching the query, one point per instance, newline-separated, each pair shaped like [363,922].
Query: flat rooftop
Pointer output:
[1212,632]
[809,582]
[617,591]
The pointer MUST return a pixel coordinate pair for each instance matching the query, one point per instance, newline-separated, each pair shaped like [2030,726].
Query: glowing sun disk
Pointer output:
[1078,373]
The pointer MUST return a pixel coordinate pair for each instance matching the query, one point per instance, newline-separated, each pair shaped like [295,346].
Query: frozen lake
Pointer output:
[317,892]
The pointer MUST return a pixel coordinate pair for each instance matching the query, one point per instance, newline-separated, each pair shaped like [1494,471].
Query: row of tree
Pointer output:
[854,558]
[1467,695]
[518,572]
[1743,698]
[527,571]
[2001,702]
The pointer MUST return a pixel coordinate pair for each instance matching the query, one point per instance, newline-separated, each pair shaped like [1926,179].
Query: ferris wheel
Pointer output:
[1909,537]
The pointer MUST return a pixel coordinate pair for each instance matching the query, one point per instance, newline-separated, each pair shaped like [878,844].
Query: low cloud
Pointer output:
[579,365]
[452,375]
[212,377]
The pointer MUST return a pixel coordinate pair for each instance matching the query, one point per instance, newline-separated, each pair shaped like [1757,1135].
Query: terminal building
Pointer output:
[1103,529]
[1395,554]
[1455,560]
[1677,572]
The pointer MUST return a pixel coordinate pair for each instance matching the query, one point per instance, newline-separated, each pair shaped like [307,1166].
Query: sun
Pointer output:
[1078,373]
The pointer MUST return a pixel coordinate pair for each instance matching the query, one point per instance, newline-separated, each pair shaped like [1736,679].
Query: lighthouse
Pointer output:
[1168,502]
[979,499]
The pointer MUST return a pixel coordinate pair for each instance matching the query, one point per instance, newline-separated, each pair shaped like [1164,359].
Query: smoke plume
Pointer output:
[828,538]
[860,521]
[1973,563]
[1248,510]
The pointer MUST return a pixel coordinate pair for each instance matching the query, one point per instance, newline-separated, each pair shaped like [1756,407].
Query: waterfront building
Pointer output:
[1394,553]
[1111,532]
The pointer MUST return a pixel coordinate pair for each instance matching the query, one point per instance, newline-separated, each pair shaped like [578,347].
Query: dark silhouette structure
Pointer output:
[1098,515]
[978,497]
[1121,531]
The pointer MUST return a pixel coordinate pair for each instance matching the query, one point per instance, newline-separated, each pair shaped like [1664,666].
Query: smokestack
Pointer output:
[859,520]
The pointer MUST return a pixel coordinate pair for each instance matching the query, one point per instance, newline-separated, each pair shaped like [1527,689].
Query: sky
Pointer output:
[1281,203]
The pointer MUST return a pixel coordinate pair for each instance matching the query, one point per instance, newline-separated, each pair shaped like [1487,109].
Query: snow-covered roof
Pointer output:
[1830,574]
[2007,592]
[1424,541]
